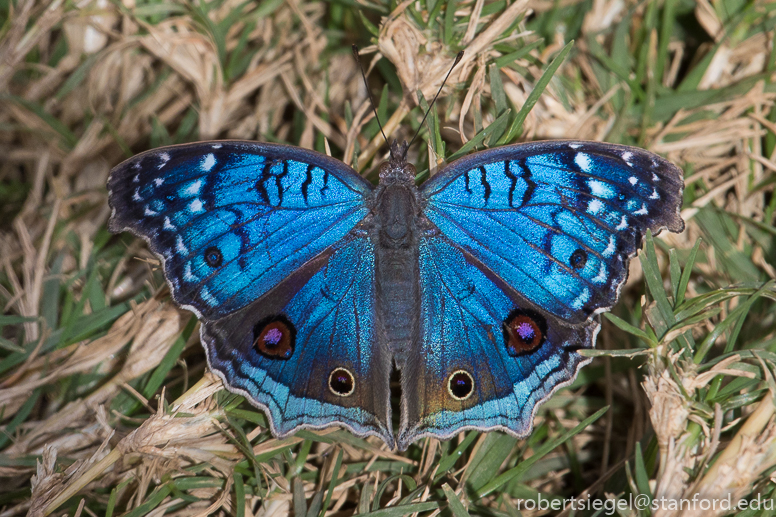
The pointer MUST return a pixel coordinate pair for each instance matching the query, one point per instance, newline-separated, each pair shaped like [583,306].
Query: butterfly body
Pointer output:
[395,231]
[480,286]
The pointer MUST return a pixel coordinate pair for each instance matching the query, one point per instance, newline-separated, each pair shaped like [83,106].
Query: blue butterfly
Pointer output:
[312,285]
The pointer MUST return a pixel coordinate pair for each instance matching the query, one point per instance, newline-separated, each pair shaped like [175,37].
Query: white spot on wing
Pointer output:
[180,246]
[655,177]
[601,278]
[626,156]
[208,163]
[148,211]
[575,146]
[187,273]
[168,225]
[623,224]
[165,158]
[136,179]
[580,300]
[583,161]
[594,207]
[599,188]
[610,248]
[642,210]
[654,195]
[217,146]
[136,195]
[159,181]
[633,180]
[196,206]
[205,294]
[193,189]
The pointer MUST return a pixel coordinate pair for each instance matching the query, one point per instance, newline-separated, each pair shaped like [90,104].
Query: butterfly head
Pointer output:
[396,169]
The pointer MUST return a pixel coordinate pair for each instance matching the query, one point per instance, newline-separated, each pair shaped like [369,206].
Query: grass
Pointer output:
[107,407]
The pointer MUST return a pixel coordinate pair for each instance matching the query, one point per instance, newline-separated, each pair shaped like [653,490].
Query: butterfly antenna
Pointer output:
[457,60]
[371,100]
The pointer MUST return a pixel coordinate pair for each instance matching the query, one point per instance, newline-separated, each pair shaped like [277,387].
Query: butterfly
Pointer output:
[481,286]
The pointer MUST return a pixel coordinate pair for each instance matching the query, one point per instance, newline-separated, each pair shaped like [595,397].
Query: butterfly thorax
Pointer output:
[394,234]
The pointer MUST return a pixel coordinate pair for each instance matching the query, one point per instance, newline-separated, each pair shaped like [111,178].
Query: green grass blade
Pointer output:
[546,448]
[536,93]
[454,503]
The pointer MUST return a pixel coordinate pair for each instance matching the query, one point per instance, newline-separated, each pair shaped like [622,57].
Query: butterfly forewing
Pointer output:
[231,220]
[557,220]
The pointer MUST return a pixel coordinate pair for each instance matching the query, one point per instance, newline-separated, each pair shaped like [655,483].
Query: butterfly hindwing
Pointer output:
[232,219]
[486,358]
[307,351]
[557,220]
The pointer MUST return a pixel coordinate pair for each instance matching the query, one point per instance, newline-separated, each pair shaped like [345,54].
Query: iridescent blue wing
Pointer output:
[230,219]
[307,352]
[487,358]
[526,244]
[261,241]
[557,220]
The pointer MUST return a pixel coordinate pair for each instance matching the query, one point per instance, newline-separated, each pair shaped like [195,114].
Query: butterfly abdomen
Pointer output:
[395,237]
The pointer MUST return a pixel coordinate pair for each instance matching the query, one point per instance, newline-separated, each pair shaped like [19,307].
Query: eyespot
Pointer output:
[341,382]
[578,259]
[460,385]
[274,338]
[524,331]
[213,256]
